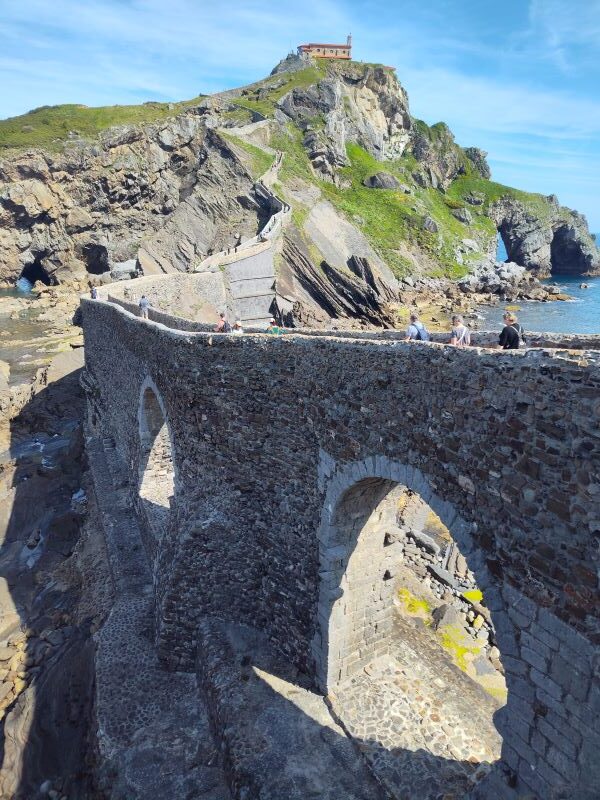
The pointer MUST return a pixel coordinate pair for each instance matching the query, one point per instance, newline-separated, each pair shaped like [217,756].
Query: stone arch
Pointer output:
[355,493]
[156,465]
[566,254]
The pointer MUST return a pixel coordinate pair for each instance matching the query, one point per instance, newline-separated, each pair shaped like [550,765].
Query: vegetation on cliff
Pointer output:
[51,126]
[417,202]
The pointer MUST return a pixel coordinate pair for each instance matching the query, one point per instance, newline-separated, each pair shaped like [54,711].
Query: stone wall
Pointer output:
[197,297]
[270,433]
[170,297]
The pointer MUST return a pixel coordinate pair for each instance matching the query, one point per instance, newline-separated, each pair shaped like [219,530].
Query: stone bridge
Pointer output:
[262,471]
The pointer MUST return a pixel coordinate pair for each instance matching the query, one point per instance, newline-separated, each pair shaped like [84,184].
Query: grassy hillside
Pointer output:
[49,126]
[258,160]
[388,218]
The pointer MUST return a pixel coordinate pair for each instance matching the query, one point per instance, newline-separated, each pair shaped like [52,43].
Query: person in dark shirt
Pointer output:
[512,333]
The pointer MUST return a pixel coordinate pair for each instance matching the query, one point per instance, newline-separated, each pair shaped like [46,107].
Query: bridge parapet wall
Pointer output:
[165,291]
[264,430]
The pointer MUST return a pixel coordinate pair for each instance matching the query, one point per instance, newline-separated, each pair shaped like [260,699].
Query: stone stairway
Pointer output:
[154,736]
[248,269]
[251,285]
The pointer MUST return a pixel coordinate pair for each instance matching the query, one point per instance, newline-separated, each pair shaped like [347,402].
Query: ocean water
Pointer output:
[21,339]
[579,315]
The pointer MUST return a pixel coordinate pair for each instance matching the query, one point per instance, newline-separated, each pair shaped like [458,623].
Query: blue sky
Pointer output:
[519,78]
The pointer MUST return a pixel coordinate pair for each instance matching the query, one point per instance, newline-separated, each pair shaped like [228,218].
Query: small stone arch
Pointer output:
[157,478]
[353,494]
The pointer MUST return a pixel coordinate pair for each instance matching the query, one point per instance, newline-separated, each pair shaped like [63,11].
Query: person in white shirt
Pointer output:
[461,335]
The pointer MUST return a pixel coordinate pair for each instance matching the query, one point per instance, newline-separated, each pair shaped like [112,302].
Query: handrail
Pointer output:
[233,254]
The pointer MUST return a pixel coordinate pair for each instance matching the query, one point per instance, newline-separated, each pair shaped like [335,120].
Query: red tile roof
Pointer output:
[320,44]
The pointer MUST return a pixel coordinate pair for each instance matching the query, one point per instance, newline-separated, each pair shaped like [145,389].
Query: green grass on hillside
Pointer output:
[264,97]
[49,126]
[386,217]
[390,217]
[464,185]
[260,161]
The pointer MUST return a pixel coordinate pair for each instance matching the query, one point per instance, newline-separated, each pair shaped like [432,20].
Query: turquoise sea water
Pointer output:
[580,315]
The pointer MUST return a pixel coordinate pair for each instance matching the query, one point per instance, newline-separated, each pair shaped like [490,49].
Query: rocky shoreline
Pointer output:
[436,299]
[47,545]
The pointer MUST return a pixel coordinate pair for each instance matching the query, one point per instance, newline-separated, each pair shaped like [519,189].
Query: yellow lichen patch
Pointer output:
[498,692]
[403,501]
[414,606]
[477,622]
[454,641]
[436,528]
[474,595]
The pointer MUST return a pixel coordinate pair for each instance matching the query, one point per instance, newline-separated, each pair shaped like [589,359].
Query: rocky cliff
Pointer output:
[364,178]
[161,194]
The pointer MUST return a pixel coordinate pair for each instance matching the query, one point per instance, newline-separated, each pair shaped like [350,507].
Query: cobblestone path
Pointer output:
[425,728]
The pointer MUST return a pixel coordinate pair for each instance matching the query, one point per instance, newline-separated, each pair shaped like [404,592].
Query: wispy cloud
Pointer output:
[565,27]
[520,79]
[487,104]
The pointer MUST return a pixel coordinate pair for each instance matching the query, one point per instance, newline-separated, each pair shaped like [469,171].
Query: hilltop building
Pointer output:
[319,50]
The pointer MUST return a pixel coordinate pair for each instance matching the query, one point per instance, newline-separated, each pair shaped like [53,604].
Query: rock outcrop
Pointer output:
[440,159]
[553,240]
[167,191]
[382,180]
[507,280]
[360,294]
[363,104]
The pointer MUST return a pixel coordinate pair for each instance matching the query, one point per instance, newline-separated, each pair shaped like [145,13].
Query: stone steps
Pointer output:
[250,288]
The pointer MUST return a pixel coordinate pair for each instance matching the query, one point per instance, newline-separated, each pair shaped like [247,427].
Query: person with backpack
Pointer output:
[461,335]
[416,331]
[512,333]
[223,325]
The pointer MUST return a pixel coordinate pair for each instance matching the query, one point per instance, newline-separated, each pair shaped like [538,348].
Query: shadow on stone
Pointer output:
[45,726]
[280,739]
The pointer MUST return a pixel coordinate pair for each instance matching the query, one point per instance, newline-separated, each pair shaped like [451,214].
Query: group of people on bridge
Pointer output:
[223,326]
[511,337]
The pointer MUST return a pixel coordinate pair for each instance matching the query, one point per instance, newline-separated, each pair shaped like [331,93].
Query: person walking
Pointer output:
[144,305]
[461,335]
[222,325]
[94,293]
[416,331]
[512,333]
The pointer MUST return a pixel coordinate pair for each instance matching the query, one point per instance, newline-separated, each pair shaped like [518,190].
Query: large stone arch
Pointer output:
[356,491]
[156,470]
